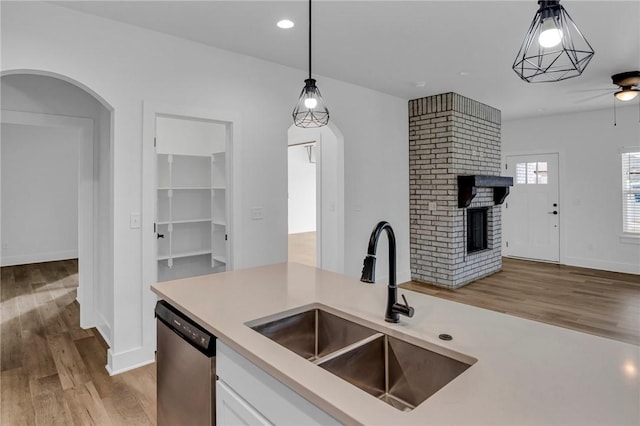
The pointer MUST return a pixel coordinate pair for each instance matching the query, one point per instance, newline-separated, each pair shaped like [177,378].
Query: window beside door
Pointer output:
[631,191]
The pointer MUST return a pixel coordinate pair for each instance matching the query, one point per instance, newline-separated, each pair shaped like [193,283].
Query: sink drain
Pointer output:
[444,336]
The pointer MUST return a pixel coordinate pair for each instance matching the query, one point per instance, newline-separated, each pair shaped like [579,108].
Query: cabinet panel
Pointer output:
[278,403]
[231,409]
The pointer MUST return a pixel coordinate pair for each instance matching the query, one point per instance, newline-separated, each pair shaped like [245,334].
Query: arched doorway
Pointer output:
[328,144]
[33,100]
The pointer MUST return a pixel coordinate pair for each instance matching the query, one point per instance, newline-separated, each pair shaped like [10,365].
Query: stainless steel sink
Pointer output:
[395,370]
[399,373]
[314,333]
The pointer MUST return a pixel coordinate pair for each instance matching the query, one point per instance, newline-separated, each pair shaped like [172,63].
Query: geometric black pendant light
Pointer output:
[310,110]
[553,49]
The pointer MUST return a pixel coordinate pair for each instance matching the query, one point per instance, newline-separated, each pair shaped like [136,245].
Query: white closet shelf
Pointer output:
[166,188]
[185,254]
[167,222]
[220,259]
[192,191]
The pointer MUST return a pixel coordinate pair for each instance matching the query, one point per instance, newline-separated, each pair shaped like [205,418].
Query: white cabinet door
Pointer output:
[276,402]
[231,409]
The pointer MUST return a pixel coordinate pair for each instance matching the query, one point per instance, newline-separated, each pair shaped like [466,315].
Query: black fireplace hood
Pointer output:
[467,187]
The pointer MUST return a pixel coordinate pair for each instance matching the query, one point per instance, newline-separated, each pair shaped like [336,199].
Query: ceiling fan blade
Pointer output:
[608,89]
[590,98]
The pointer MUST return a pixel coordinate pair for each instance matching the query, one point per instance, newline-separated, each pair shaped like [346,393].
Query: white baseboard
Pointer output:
[129,360]
[24,259]
[104,329]
[626,268]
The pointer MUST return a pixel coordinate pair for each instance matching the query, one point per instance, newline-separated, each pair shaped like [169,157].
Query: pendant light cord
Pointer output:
[309,39]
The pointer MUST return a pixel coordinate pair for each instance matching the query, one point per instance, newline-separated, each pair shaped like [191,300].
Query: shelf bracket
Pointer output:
[467,188]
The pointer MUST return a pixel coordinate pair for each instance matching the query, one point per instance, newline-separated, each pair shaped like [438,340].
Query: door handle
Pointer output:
[553,212]
[160,236]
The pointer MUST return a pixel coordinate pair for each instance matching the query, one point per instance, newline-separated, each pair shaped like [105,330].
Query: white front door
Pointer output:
[531,214]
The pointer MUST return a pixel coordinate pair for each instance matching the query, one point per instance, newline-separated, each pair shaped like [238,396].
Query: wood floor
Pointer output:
[302,248]
[597,302]
[52,371]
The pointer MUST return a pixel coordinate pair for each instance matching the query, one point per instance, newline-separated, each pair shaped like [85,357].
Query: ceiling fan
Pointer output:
[628,83]
[628,89]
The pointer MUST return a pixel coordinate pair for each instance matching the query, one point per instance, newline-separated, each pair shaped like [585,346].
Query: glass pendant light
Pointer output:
[553,49]
[310,110]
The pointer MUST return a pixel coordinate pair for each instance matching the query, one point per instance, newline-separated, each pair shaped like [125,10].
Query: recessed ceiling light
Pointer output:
[420,83]
[464,73]
[285,24]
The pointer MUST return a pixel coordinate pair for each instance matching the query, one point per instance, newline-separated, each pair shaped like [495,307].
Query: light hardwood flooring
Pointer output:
[302,248]
[597,302]
[52,371]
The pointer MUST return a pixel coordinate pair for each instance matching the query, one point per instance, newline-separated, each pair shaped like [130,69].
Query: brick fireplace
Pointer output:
[452,139]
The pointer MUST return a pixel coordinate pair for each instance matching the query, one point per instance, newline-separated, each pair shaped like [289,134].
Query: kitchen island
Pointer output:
[526,372]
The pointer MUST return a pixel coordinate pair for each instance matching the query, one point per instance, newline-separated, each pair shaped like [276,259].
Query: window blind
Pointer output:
[631,191]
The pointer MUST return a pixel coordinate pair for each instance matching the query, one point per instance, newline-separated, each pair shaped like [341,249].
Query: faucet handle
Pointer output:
[405,300]
[410,313]
[403,309]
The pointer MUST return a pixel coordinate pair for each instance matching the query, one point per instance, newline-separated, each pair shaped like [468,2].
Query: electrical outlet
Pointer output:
[257,213]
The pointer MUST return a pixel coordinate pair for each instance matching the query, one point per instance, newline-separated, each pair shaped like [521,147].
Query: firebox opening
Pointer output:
[476,229]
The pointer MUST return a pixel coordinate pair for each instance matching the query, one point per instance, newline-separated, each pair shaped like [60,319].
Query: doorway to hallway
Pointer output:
[323,148]
[302,183]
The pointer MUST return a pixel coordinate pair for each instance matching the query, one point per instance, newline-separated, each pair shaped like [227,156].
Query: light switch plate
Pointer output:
[134,221]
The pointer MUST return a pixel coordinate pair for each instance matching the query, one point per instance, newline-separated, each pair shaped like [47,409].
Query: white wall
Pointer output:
[46,95]
[590,181]
[39,193]
[189,137]
[302,190]
[127,66]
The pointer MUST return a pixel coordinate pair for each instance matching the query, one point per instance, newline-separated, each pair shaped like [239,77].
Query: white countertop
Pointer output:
[527,373]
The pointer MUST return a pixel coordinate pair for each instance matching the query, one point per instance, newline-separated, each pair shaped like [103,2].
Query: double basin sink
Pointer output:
[392,369]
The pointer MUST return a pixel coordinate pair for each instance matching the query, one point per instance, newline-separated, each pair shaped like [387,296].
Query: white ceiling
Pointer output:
[463,46]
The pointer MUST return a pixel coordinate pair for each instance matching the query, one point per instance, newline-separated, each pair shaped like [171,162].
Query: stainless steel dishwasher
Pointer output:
[186,370]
